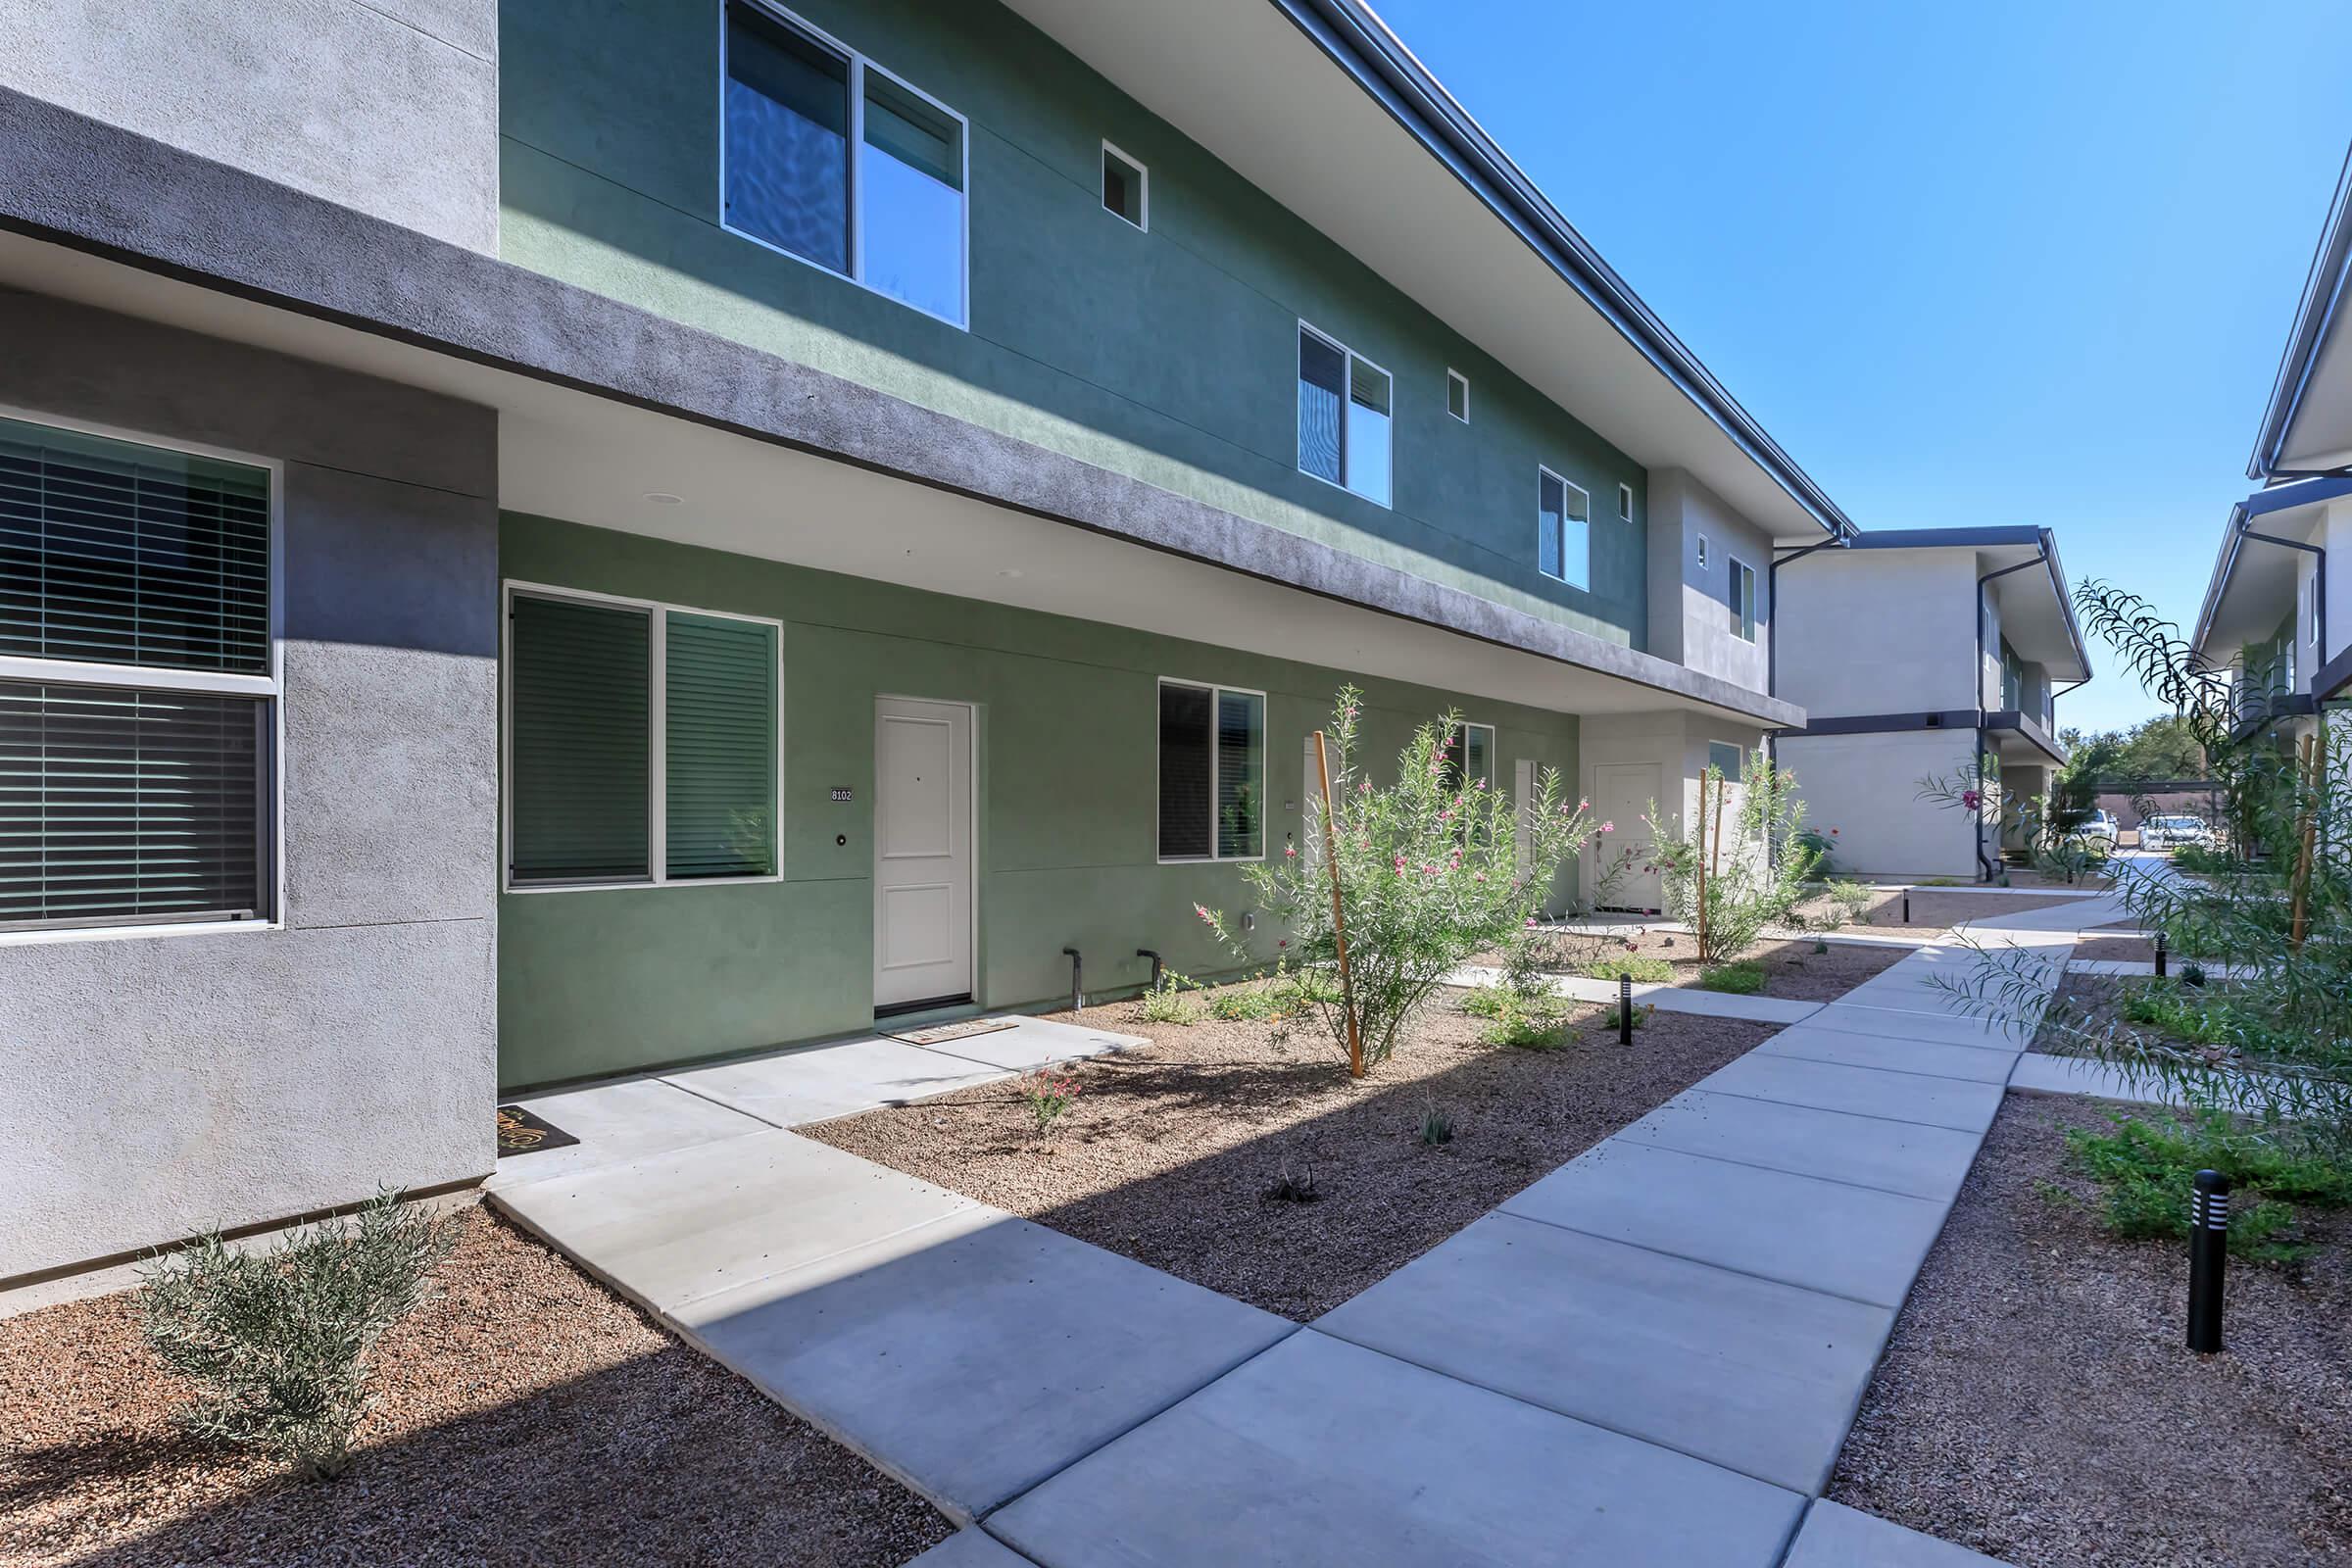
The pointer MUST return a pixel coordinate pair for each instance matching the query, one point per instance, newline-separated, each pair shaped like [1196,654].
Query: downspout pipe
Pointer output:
[1986,871]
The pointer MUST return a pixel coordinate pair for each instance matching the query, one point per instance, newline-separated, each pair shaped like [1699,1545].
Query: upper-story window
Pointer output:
[1625,503]
[1563,530]
[1126,188]
[1741,598]
[139,683]
[2013,679]
[1344,415]
[829,158]
[1457,395]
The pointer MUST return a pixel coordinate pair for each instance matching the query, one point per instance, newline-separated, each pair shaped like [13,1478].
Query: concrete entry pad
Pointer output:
[1824,1236]
[1984,1064]
[822,1082]
[1750,1374]
[1838,1537]
[673,1228]
[1323,1452]
[1892,1155]
[971,1548]
[1034,1043]
[618,1122]
[1861,1091]
[979,1354]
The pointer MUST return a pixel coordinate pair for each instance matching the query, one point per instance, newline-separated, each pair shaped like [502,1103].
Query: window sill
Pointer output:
[1212,860]
[631,887]
[41,937]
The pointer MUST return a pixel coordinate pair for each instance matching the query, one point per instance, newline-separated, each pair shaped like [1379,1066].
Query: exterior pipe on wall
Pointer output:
[1077,967]
[1986,869]
[1156,966]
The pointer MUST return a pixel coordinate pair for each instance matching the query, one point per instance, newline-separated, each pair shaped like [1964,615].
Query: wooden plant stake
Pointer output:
[1701,871]
[1339,922]
[2307,775]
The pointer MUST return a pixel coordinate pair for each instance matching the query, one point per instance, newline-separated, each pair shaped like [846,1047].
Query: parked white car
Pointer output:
[2170,832]
[2098,828]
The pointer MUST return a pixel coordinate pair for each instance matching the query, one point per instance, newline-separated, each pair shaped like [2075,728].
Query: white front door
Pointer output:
[1622,793]
[922,852]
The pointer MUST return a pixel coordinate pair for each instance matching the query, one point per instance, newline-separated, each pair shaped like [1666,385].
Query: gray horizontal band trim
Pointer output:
[1955,718]
[71,180]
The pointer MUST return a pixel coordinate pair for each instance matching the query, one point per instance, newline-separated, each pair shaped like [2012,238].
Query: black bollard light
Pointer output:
[1625,1010]
[2159,954]
[1906,906]
[2208,1251]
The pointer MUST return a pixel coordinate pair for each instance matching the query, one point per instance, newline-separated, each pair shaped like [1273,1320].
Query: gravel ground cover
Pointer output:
[1933,910]
[1168,1155]
[1792,969]
[2137,950]
[2035,1402]
[524,1416]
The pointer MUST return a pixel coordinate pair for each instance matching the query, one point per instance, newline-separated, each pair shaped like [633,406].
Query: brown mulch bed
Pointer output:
[524,1416]
[1792,969]
[2035,1402]
[1168,1153]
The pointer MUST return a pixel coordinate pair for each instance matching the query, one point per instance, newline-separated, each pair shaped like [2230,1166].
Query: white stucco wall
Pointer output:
[1879,631]
[1675,743]
[1867,788]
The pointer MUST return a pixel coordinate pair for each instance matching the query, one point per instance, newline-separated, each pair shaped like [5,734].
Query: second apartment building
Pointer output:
[622,534]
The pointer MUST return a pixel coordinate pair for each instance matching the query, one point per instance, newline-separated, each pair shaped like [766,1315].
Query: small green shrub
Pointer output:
[1820,947]
[1853,899]
[1938,882]
[1745,977]
[1244,1005]
[2147,1169]
[1485,1001]
[2198,1013]
[1525,1028]
[1292,1187]
[1645,971]
[1436,1127]
[278,1343]
[1166,1001]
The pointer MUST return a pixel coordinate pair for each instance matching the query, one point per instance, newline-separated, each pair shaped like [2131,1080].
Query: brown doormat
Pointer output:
[522,1133]
[962,1029]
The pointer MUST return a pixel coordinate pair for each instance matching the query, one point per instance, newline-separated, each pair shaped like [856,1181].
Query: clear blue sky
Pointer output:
[1999,262]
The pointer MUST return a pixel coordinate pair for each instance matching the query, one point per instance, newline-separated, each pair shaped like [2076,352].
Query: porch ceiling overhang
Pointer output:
[1318,103]
[2253,584]
[601,403]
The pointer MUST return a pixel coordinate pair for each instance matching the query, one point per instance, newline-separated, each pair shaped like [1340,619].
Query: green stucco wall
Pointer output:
[1170,356]
[598,980]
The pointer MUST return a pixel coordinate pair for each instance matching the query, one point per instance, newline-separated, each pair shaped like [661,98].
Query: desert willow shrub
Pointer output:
[1741,865]
[2275,1039]
[1430,872]
[278,1343]
[2050,826]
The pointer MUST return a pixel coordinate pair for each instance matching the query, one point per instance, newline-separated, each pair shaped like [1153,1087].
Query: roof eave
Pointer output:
[1362,45]
[2314,315]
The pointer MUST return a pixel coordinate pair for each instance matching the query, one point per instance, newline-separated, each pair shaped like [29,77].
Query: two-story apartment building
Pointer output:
[1915,654]
[2286,550]
[544,539]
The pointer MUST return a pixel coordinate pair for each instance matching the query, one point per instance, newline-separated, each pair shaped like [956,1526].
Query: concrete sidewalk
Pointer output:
[1650,1357]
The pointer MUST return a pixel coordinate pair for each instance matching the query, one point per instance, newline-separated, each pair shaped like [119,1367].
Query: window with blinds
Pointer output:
[641,744]
[1212,769]
[137,685]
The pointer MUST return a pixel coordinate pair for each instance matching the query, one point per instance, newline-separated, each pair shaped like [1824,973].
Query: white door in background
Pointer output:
[922,850]
[1621,794]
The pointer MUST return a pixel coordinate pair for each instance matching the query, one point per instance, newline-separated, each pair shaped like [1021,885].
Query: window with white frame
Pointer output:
[1469,757]
[1726,759]
[1126,188]
[1563,529]
[641,741]
[1702,551]
[1740,595]
[1625,503]
[2307,609]
[830,158]
[1457,395]
[139,683]
[1212,772]
[1344,415]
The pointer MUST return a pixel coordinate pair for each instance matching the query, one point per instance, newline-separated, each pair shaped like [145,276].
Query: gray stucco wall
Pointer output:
[387,106]
[1690,605]
[1879,631]
[151,1085]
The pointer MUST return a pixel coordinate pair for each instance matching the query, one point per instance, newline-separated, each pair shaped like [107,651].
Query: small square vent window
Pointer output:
[1457,395]
[1625,501]
[1702,551]
[1123,187]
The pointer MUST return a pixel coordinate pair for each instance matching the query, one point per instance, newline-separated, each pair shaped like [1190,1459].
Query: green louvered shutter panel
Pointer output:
[721,686]
[580,746]
[122,804]
[117,553]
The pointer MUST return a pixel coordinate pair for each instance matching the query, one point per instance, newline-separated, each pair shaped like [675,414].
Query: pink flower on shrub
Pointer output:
[1482,876]
[1201,910]
[1352,712]
[1284,942]
[1583,804]
[1400,862]
[1832,832]
[1608,828]
[1289,850]
[1971,798]
[1531,922]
